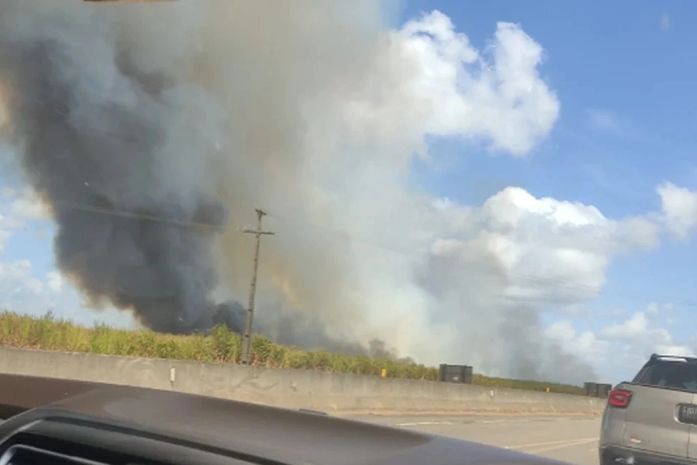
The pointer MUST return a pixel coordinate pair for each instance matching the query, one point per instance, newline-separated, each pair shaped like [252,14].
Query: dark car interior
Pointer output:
[50,421]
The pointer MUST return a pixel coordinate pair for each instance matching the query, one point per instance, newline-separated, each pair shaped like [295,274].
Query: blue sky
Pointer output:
[623,75]
[627,91]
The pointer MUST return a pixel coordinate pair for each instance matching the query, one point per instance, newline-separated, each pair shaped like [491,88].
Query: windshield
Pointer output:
[500,194]
[676,375]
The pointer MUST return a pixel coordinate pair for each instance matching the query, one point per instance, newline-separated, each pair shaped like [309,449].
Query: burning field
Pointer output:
[151,131]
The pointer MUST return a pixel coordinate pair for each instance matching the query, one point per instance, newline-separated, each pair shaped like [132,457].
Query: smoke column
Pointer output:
[152,131]
[118,151]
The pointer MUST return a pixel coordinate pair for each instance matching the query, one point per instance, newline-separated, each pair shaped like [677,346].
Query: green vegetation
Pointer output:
[221,345]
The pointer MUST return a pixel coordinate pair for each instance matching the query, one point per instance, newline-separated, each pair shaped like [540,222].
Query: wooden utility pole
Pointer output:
[247,337]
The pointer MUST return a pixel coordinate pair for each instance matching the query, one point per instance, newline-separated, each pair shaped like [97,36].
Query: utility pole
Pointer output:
[247,337]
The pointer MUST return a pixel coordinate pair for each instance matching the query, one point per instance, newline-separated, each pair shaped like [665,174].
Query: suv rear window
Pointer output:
[675,374]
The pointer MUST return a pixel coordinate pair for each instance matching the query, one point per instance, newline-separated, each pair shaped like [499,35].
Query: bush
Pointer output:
[226,344]
[261,349]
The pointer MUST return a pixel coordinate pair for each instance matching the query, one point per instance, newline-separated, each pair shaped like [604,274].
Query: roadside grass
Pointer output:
[220,345]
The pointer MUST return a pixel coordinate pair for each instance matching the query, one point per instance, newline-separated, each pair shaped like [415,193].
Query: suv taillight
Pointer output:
[619,398]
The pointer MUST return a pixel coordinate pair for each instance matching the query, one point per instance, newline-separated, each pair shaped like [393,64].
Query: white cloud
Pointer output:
[7,225]
[54,281]
[585,344]
[551,249]
[619,349]
[516,256]
[679,206]
[17,282]
[638,333]
[17,208]
[22,291]
[638,231]
[26,205]
[441,85]
[635,326]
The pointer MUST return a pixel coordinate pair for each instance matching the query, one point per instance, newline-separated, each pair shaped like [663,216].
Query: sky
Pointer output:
[624,74]
[563,147]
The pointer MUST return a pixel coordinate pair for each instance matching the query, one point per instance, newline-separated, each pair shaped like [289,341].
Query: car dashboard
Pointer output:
[70,422]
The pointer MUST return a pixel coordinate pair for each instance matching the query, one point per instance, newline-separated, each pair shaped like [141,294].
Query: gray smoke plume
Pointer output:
[153,130]
[118,151]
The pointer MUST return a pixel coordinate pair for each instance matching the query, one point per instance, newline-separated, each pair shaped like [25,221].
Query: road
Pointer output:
[572,439]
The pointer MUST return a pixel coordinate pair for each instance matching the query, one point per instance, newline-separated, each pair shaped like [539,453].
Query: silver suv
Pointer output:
[653,419]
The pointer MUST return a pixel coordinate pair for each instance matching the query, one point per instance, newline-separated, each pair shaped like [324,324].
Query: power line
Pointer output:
[130,214]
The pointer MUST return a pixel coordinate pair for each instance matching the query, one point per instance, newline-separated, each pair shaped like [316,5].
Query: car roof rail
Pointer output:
[675,358]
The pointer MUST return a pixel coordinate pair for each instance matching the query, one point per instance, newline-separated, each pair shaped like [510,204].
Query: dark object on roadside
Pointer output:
[455,373]
[70,422]
[652,419]
[597,389]
[604,390]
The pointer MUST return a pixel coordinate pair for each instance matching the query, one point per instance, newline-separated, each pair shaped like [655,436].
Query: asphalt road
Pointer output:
[568,438]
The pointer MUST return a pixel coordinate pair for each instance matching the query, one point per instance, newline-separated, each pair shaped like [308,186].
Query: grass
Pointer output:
[221,345]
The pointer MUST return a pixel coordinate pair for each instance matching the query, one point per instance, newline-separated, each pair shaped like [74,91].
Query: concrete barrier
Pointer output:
[331,392]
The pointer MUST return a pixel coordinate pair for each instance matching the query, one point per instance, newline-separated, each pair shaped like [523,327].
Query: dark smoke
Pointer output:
[230,314]
[299,331]
[101,155]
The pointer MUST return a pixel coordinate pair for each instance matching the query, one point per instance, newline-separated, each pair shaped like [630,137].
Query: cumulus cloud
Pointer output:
[23,290]
[555,250]
[54,281]
[617,350]
[17,208]
[8,222]
[679,206]
[585,344]
[447,87]
[638,332]
[7,225]
[515,256]
[17,282]
[26,205]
